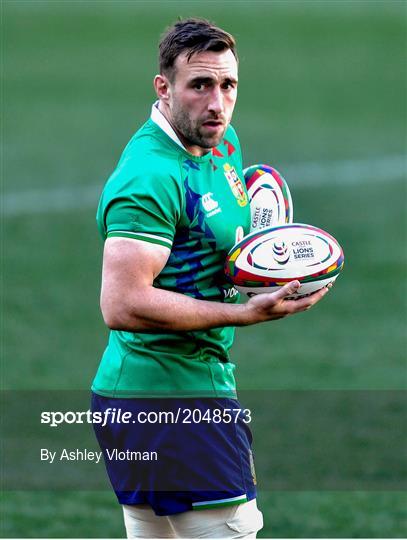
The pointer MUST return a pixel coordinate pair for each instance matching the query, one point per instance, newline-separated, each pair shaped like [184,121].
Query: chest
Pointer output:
[216,203]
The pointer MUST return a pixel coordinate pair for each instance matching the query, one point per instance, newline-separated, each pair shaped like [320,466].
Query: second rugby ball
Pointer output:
[269,197]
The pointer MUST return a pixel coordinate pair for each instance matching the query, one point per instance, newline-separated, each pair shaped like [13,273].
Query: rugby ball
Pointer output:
[269,197]
[265,260]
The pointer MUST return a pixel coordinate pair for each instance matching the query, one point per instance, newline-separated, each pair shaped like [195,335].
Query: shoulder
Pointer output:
[146,161]
[231,137]
[149,153]
[231,133]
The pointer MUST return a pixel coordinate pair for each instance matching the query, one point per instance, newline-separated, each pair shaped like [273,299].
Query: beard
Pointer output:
[194,132]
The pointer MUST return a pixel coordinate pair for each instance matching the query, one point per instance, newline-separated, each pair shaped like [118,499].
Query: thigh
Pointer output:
[240,521]
[141,522]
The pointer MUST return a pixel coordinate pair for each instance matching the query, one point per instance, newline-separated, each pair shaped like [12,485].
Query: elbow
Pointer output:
[113,315]
[112,321]
[110,317]
[117,316]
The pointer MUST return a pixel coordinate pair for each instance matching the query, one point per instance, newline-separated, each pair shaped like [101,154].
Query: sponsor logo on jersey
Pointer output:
[211,206]
[230,293]
[236,185]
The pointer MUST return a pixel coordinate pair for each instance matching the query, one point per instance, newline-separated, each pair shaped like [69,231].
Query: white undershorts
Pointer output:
[240,521]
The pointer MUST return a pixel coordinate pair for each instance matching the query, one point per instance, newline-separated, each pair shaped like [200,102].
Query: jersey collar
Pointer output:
[158,118]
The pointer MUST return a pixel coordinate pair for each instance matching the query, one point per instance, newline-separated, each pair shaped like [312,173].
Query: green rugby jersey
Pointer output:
[160,193]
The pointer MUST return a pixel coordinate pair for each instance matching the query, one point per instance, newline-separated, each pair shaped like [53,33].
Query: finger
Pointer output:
[302,304]
[287,290]
[317,295]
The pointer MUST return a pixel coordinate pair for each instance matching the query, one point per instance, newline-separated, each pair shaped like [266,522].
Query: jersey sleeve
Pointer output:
[144,206]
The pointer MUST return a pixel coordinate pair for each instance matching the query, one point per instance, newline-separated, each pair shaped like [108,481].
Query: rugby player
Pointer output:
[169,214]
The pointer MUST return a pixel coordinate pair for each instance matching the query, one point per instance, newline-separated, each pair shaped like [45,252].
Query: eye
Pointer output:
[228,85]
[199,86]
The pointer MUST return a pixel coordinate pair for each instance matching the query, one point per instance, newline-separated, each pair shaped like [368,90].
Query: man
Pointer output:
[169,214]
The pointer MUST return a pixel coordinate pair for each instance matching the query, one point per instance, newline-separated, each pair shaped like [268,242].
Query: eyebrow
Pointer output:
[206,80]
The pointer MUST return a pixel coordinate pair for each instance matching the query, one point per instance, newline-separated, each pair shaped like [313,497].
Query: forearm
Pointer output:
[151,309]
[130,302]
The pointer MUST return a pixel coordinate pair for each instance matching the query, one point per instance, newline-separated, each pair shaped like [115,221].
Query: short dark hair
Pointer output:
[193,36]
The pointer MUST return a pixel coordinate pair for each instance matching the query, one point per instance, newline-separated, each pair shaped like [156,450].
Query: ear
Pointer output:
[162,87]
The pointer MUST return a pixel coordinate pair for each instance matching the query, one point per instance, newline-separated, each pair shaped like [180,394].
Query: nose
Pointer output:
[215,104]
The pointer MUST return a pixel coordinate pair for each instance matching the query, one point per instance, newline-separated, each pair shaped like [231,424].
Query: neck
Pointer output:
[192,149]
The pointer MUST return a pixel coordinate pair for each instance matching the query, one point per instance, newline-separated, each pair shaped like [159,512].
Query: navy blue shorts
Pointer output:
[176,454]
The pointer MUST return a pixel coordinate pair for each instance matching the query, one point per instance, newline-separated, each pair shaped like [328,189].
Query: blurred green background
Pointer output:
[322,98]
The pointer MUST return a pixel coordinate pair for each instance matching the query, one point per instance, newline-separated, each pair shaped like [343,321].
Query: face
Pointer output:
[199,102]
